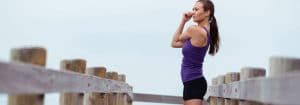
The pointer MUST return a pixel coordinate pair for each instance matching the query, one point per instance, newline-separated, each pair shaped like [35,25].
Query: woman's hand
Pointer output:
[187,16]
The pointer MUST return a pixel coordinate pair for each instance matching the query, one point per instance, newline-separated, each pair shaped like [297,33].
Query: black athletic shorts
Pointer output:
[194,89]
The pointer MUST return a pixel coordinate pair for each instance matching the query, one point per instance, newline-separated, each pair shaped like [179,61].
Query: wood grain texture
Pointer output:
[211,99]
[27,79]
[122,97]
[221,80]
[78,66]
[96,98]
[28,55]
[279,90]
[65,81]
[252,72]
[140,97]
[112,97]
[283,65]
[229,78]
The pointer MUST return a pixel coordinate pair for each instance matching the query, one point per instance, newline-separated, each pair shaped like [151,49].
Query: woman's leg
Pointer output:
[193,102]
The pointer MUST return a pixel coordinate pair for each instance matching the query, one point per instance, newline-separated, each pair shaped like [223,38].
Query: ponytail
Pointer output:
[214,31]
[215,39]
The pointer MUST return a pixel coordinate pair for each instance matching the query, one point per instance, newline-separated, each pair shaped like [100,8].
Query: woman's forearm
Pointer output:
[178,32]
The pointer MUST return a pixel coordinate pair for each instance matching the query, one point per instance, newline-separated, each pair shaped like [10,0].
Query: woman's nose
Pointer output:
[192,12]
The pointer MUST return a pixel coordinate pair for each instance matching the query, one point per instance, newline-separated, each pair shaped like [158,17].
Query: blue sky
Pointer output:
[133,37]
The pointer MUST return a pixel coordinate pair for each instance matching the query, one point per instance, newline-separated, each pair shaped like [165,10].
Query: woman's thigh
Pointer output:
[193,102]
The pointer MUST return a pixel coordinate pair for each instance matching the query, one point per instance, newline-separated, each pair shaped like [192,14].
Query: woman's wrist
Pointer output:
[183,21]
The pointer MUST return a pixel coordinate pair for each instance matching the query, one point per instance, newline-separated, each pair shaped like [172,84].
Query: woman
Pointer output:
[195,42]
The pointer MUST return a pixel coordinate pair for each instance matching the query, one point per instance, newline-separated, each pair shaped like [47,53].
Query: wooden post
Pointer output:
[112,97]
[283,65]
[280,66]
[96,98]
[221,80]
[214,81]
[213,100]
[251,72]
[35,56]
[122,96]
[129,100]
[76,65]
[229,78]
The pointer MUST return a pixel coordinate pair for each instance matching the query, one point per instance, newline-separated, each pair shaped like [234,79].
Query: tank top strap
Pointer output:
[206,30]
[208,33]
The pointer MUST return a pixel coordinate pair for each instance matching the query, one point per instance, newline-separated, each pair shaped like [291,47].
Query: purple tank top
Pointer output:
[193,57]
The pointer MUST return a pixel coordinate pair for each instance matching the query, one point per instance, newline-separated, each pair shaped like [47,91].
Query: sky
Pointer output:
[133,37]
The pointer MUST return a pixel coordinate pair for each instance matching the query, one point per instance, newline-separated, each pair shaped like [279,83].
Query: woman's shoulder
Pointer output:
[196,31]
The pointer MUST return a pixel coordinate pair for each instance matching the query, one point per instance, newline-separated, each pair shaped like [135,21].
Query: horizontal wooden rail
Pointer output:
[279,90]
[141,97]
[17,78]
[26,80]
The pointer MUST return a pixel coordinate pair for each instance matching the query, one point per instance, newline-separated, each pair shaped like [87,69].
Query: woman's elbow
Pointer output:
[174,45]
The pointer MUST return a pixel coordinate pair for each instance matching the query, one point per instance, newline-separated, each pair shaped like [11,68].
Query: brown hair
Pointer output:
[214,31]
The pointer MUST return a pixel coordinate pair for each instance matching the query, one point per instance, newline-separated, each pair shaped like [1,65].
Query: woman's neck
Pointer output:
[204,23]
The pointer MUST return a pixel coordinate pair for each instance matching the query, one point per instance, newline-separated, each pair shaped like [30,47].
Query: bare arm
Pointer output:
[196,35]
[176,42]
[179,37]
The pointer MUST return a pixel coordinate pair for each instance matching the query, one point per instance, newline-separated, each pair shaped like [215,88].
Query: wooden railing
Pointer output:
[250,86]
[26,80]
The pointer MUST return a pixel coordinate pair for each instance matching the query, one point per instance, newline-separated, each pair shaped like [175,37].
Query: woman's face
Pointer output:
[199,13]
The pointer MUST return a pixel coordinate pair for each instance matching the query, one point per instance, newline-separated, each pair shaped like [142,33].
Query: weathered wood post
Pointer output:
[30,55]
[221,80]
[251,72]
[129,100]
[112,97]
[229,78]
[96,98]
[213,100]
[283,65]
[122,96]
[76,65]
